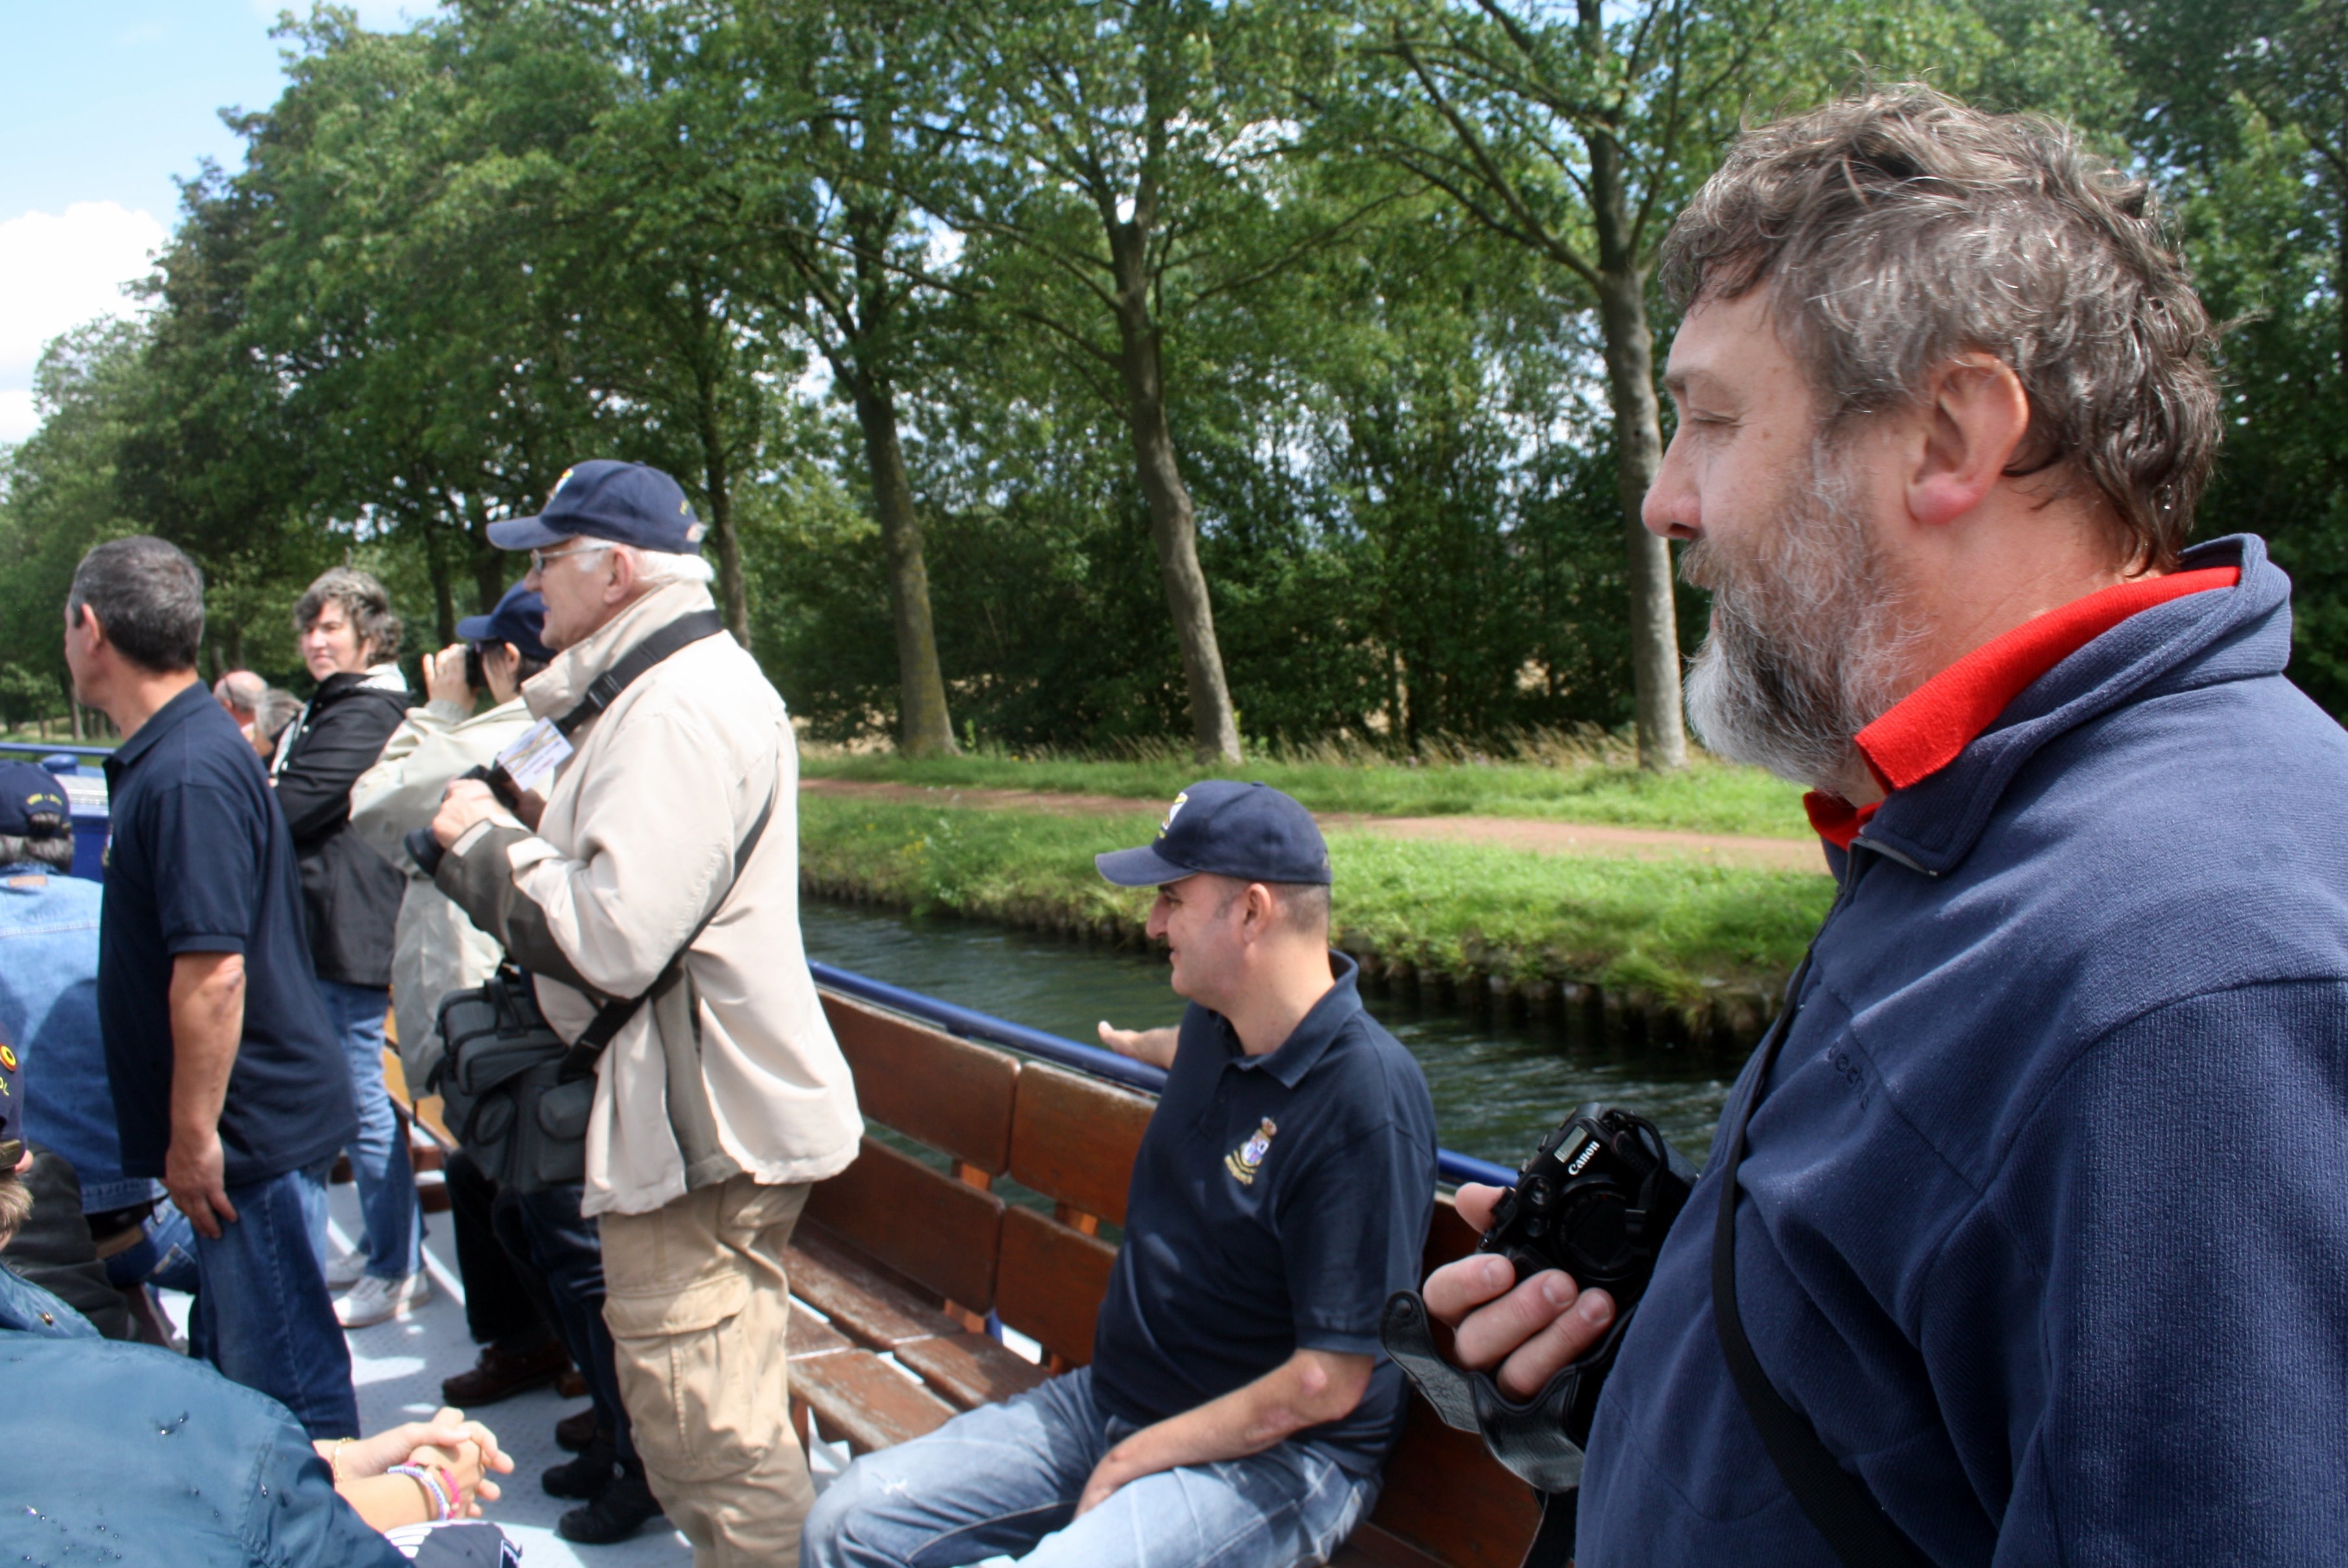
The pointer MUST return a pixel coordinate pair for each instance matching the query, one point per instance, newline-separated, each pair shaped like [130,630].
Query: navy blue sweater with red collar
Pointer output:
[2044,1223]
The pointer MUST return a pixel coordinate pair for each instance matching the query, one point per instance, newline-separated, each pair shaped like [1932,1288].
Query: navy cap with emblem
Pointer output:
[603,498]
[1250,831]
[32,804]
[518,618]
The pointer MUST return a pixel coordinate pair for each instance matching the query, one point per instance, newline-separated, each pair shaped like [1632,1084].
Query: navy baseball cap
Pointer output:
[1250,831]
[627,503]
[32,804]
[518,618]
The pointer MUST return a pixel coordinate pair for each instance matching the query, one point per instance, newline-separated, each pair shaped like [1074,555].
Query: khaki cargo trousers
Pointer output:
[697,1305]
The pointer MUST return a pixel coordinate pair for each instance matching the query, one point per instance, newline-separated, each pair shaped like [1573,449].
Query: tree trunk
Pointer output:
[733,597]
[925,727]
[488,562]
[1173,527]
[1638,455]
[444,599]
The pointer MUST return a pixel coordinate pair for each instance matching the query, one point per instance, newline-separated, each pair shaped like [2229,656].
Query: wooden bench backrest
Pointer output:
[941,1231]
[951,1094]
[1073,1139]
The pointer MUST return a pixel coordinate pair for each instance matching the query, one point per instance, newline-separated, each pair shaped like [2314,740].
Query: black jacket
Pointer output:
[350,895]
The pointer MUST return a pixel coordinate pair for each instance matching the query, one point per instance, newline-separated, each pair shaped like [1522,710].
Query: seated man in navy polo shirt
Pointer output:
[228,1081]
[1237,1410]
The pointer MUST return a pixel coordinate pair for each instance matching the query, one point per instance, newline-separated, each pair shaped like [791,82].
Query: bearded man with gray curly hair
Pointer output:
[2020,1241]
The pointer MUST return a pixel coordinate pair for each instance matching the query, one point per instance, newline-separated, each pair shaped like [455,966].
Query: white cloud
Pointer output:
[56,273]
[18,419]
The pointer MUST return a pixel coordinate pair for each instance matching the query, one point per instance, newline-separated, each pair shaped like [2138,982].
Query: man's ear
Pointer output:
[623,582]
[1261,910]
[1974,416]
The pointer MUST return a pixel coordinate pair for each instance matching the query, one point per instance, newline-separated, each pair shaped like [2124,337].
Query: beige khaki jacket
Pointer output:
[435,949]
[736,1068]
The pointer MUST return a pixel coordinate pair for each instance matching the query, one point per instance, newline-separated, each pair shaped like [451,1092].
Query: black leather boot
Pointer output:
[619,1510]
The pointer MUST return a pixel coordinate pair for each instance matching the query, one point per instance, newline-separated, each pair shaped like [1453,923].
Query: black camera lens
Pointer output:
[475,676]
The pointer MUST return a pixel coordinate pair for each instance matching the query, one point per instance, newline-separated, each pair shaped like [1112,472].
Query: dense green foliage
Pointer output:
[741,241]
[1674,927]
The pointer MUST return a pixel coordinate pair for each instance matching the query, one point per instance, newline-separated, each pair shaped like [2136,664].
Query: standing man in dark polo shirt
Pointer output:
[227,1081]
[1237,1410]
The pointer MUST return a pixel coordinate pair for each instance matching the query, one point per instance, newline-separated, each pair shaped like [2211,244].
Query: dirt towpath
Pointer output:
[1534,834]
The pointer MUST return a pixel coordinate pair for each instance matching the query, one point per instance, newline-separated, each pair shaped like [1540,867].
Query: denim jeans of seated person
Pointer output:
[1002,1480]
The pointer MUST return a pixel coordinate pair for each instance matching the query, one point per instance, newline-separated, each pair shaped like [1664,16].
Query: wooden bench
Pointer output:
[904,1257]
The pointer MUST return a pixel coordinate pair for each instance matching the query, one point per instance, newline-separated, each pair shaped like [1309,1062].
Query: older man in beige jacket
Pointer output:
[724,1095]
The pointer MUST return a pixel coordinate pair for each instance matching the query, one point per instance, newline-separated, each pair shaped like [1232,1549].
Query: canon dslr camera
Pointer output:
[1596,1200]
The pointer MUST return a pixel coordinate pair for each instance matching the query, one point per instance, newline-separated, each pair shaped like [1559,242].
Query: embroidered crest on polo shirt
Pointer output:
[1172,812]
[1243,1161]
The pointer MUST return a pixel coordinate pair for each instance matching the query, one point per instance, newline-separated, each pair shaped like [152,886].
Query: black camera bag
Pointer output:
[514,1093]
[505,1091]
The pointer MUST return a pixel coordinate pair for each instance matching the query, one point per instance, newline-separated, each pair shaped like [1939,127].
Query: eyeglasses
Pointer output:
[538,558]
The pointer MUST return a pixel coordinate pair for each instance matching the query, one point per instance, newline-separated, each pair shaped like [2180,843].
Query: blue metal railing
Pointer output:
[51,748]
[971,1024]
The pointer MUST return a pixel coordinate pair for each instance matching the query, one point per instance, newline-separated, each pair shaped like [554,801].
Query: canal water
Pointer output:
[1498,1086]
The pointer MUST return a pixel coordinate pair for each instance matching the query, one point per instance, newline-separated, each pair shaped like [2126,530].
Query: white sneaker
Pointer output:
[346,1271]
[375,1299]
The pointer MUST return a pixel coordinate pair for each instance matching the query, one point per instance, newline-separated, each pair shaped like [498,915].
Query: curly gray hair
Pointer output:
[1902,228]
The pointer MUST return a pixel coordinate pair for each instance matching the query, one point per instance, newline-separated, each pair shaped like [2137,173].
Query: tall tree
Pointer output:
[1566,132]
[812,109]
[1121,165]
[2242,110]
[1577,130]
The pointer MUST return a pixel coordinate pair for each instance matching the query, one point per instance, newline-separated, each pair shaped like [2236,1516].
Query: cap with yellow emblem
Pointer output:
[1250,831]
[32,804]
[603,498]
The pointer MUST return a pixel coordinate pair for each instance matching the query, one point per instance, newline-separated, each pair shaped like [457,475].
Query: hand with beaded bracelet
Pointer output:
[463,1453]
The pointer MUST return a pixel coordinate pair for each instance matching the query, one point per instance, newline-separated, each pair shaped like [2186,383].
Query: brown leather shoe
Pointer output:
[570,1385]
[500,1375]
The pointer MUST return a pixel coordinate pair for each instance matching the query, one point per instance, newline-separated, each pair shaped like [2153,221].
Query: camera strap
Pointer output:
[605,689]
[614,1015]
[1837,1503]
[602,692]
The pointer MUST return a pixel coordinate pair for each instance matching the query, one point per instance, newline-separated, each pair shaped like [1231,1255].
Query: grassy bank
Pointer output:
[1681,934]
[1566,780]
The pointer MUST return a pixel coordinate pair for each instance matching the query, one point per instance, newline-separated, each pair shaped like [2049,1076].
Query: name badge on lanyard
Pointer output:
[530,761]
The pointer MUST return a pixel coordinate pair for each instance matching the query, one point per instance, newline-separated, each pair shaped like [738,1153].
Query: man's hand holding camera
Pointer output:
[1520,1332]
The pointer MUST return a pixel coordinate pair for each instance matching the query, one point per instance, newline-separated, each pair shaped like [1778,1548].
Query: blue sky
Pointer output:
[102,103]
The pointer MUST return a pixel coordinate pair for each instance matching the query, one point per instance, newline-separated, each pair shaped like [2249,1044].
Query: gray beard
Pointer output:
[1809,638]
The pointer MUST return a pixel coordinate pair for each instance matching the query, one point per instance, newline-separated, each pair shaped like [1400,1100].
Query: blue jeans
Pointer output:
[263,1315]
[165,1255]
[546,1230]
[1004,1479]
[393,1240]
